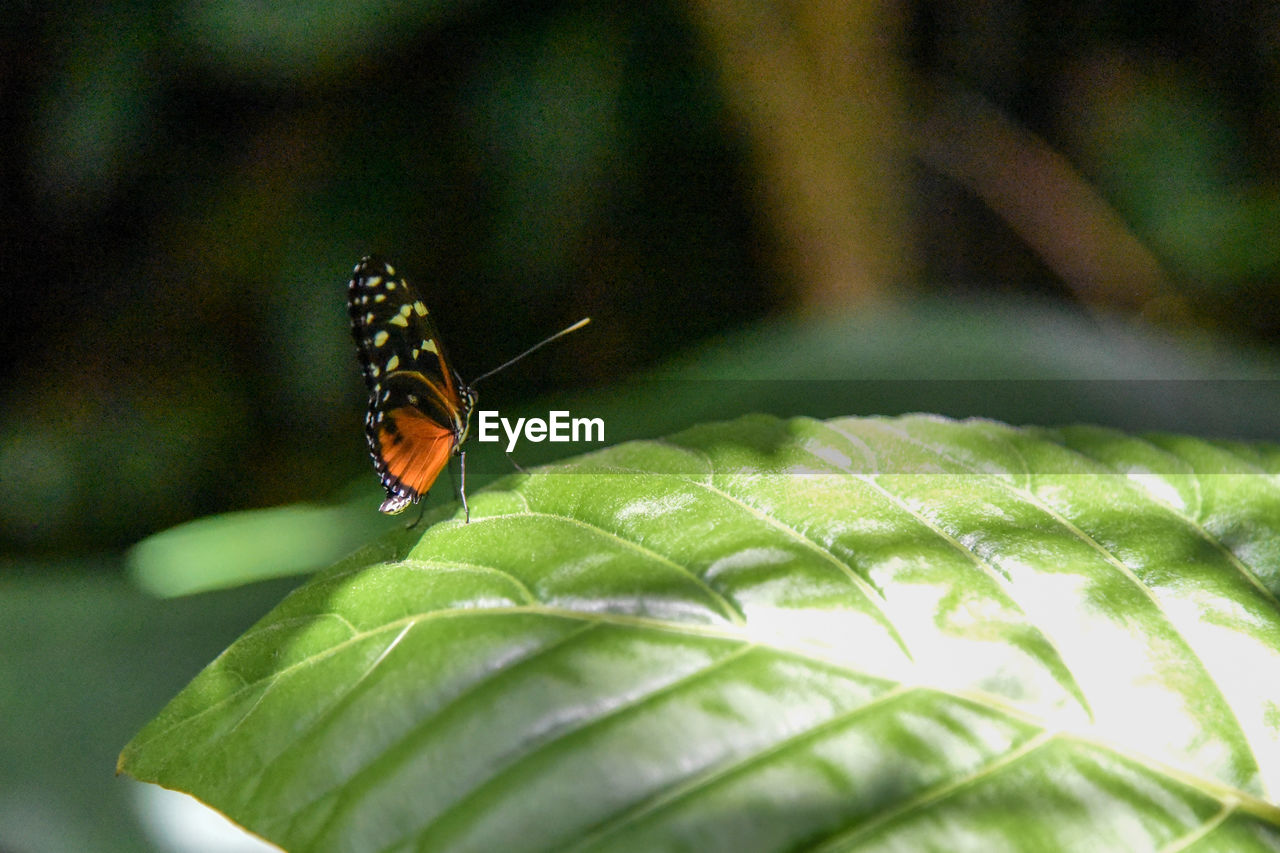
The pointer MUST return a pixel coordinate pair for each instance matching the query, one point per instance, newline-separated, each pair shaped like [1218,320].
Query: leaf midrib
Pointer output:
[601,617]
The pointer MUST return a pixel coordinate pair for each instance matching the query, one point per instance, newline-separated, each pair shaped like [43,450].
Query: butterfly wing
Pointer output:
[417,404]
[410,450]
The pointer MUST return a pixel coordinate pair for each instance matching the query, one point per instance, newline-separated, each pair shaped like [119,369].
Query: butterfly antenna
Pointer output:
[560,334]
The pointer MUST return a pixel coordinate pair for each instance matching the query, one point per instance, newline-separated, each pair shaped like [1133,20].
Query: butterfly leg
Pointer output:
[514,463]
[462,490]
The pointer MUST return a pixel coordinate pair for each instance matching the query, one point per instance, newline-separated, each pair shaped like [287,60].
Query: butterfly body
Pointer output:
[419,408]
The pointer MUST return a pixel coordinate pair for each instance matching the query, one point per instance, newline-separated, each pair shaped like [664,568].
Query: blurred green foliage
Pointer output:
[188,183]
[198,179]
[82,666]
[1170,155]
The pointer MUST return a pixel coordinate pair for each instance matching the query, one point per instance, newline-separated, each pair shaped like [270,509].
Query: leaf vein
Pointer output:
[718,773]
[352,798]
[577,731]
[1245,571]
[856,580]
[1202,831]
[337,701]
[1109,558]
[728,609]
[841,840]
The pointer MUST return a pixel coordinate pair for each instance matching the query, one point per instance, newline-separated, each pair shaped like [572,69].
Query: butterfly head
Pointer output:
[468,398]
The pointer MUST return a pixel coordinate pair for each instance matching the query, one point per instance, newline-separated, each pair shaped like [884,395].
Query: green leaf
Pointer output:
[903,633]
[234,548]
[292,42]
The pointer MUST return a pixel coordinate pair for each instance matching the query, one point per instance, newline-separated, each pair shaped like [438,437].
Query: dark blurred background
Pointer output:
[186,186]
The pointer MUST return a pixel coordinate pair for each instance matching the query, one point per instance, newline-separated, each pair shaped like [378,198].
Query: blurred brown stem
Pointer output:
[820,92]
[818,89]
[1046,202]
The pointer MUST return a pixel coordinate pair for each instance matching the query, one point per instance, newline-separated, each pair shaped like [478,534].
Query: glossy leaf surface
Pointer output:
[858,634]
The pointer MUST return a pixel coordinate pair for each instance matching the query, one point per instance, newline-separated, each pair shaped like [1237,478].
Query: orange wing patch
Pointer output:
[415,450]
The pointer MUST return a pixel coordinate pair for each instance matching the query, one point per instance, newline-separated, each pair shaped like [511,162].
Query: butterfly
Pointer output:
[419,407]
